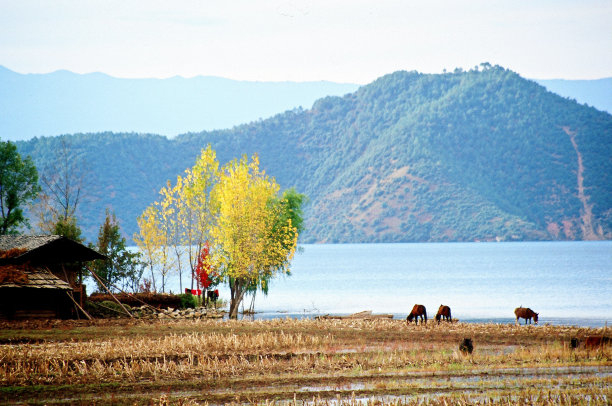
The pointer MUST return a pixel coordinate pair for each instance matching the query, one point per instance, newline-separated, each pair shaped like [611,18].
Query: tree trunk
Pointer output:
[233,314]
[153,279]
[237,294]
[180,281]
[252,307]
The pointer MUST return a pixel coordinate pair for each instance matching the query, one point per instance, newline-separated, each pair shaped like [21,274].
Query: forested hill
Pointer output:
[463,156]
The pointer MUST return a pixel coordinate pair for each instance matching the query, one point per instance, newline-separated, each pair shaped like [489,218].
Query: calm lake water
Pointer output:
[565,282]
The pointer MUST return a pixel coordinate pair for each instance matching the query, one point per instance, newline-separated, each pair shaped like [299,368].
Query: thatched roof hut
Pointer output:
[40,274]
[44,249]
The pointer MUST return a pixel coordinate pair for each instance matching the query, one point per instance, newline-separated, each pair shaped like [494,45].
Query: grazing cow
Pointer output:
[593,342]
[444,313]
[525,313]
[466,347]
[417,311]
[574,343]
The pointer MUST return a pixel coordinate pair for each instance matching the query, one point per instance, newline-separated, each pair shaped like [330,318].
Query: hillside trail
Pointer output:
[588,231]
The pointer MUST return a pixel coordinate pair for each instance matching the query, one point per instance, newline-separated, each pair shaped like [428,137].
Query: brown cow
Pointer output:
[525,313]
[444,313]
[592,342]
[417,310]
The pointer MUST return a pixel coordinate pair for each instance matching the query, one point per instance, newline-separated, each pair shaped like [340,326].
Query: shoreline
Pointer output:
[587,322]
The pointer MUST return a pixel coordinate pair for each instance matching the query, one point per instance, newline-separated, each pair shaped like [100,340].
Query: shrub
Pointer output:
[188,301]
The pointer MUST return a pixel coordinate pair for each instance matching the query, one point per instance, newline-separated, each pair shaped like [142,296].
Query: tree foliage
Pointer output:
[252,242]
[206,274]
[236,227]
[68,228]
[152,241]
[122,269]
[183,215]
[18,186]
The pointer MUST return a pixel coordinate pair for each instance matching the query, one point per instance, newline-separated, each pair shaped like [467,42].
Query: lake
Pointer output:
[565,282]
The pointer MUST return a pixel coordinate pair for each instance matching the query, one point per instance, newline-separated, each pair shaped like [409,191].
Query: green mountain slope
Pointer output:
[463,156]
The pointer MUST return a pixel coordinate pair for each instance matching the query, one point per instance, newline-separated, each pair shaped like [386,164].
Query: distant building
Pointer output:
[40,274]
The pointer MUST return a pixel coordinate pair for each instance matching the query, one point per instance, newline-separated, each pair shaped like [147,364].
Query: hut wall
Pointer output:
[20,303]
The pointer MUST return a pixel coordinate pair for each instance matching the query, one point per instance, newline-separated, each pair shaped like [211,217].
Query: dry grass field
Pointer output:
[285,361]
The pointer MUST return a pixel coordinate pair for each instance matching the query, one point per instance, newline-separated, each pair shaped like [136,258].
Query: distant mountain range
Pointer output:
[465,156]
[63,102]
[596,93]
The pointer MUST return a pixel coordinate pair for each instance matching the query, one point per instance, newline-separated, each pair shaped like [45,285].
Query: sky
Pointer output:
[353,41]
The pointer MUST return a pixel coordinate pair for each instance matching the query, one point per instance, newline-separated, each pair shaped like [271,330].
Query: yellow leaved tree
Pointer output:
[251,232]
[249,244]
[189,214]
[182,218]
[152,241]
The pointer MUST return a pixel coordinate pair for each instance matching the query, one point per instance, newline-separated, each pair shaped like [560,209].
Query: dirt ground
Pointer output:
[124,361]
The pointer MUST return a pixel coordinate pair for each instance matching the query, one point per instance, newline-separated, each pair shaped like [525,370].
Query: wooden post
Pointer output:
[109,292]
[135,298]
[70,293]
[79,306]
[603,334]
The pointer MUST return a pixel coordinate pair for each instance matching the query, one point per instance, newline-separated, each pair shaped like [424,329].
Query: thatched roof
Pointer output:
[43,249]
[24,276]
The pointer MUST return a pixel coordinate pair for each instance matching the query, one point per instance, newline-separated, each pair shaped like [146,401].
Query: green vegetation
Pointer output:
[122,269]
[188,301]
[18,186]
[469,155]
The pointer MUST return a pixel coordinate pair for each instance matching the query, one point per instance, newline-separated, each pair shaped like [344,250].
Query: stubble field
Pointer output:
[298,362]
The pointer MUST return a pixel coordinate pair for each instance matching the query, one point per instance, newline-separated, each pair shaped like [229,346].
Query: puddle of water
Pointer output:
[440,383]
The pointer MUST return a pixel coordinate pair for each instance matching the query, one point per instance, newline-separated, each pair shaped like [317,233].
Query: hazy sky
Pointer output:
[345,41]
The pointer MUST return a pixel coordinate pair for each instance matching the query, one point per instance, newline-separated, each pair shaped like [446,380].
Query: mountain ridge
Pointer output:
[464,156]
[63,102]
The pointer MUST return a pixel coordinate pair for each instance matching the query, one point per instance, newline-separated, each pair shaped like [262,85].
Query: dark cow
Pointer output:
[525,313]
[593,342]
[417,311]
[467,346]
[444,313]
[573,343]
